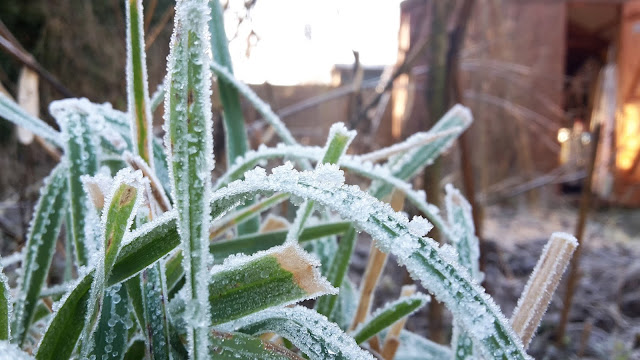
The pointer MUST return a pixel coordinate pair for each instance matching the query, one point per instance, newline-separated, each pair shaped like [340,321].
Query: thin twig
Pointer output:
[392,340]
[157,29]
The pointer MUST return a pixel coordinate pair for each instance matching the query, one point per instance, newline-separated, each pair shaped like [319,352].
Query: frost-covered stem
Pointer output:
[375,265]
[5,307]
[189,146]
[157,191]
[416,140]
[137,86]
[229,221]
[542,284]
[337,143]
[392,339]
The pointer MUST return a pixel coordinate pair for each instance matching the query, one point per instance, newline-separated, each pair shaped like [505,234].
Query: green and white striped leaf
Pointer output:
[137,85]
[388,315]
[38,251]
[11,111]
[233,346]
[189,145]
[312,333]
[435,267]
[279,276]
[111,334]
[337,271]
[5,307]
[79,124]
[467,247]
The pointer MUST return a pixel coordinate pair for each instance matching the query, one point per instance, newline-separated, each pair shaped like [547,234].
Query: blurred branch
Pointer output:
[11,46]
[157,29]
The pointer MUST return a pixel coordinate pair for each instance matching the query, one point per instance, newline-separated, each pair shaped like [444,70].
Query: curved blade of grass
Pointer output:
[76,120]
[11,111]
[388,315]
[233,346]
[137,86]
[224,224]
[436,268]
[189,145]
[38,251]
[337,271]
[250,244]
[466,244]
[233,120]
[337,142]
[134,292]
[282,275]
[312,333]
[117,217]
[111,333]
[65,327]
[5,307]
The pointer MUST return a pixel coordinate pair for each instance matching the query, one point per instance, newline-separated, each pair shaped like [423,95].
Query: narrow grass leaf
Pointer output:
[155,313]
[415,347]
[111,333]
[233,346]
[337,271]
[220,226]
[346,306]
[189,145]
[5,307]
[312,333]
[78,124]
[137,86]
[38,251]
[282,275]
[134,292]
[135,350]
[388,315]
[11,111]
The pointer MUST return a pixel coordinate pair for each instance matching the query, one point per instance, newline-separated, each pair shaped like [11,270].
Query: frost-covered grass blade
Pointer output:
[111,333]
[388,315]
[5,307]
[137,86]
[156,329]
[282,275]
[233,346]
[11,111]
[189,146]
[40,246]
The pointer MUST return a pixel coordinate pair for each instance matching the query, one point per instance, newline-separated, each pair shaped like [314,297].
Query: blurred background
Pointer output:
[554,87]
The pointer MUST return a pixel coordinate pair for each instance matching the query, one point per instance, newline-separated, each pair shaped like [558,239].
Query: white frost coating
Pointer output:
[12,259]
[412,142]
[311,332]
[348,162]
[11,111]
[10,351]
[190,54]
[263,108]
[419,226]
[422,256]
[146,112]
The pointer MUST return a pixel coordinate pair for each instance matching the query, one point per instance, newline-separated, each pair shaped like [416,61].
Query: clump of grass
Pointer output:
[144,218]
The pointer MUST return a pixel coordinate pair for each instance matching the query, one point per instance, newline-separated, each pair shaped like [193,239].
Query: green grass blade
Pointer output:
[137,86]
[312,333]
[466,244]
[38,251]
[11,111]
[346,305]
[111,333]
[388,315]
[81,150]
[436,268]
[337,271]
[155,313]
[233,346]
[5,307]
[135,351]
[229,221]
[233,120]
[134,292]
[282,275]
[416,347]
[252,243]
[65,327]
[189,145]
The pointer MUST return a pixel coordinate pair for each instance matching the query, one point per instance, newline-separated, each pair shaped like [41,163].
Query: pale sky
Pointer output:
[300,40]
